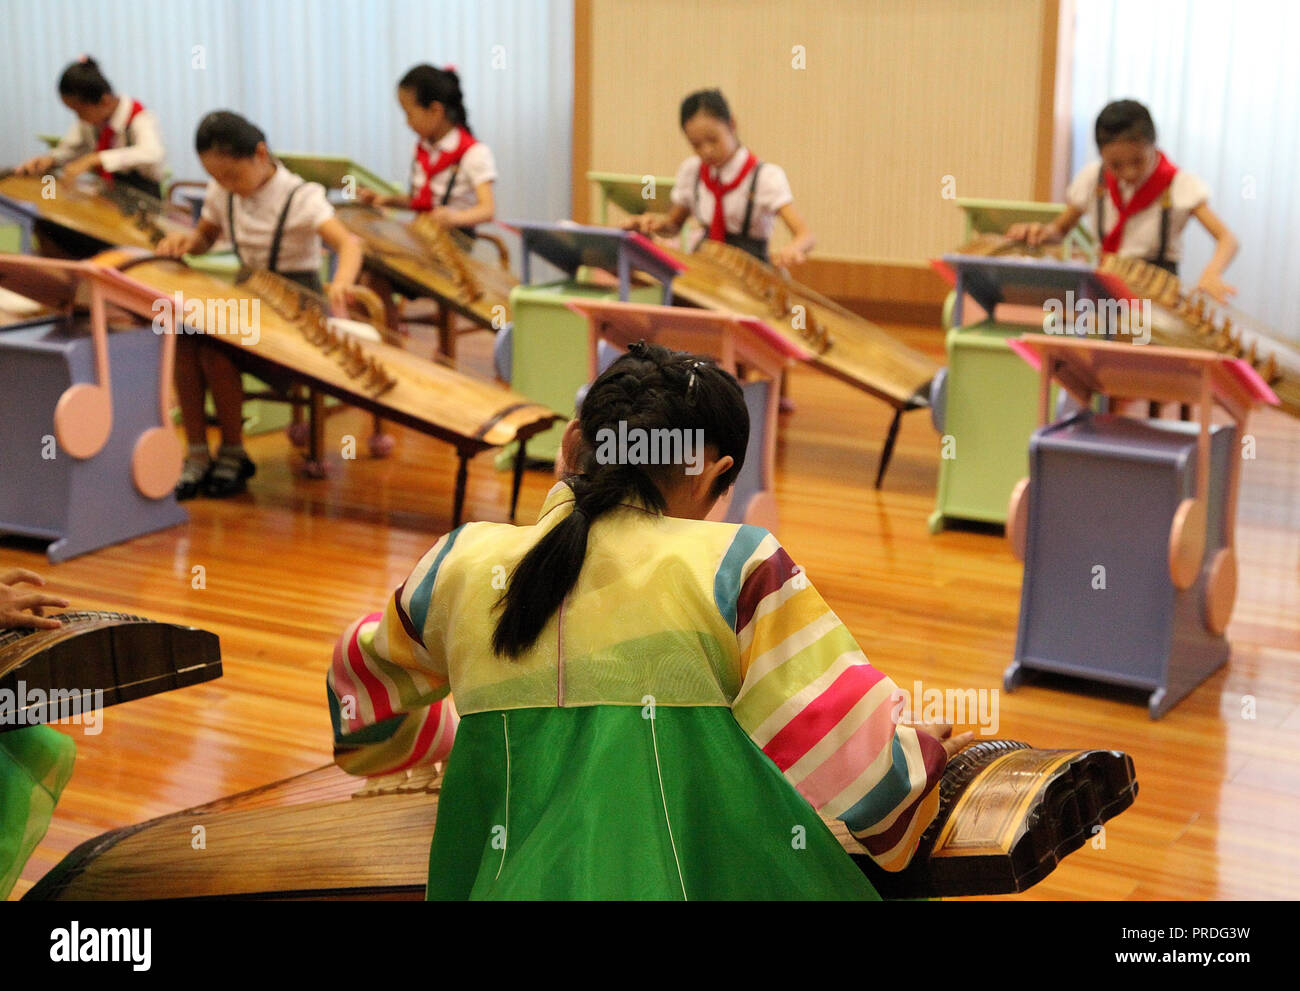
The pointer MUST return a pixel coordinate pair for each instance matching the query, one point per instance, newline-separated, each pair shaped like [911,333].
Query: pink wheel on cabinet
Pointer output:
[1018,519]
[1220,590]
[156,462]
[83,420]
[1187,543]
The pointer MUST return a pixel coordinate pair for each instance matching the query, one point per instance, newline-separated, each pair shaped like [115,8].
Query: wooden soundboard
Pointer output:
[1180,317]
[1008,815]
[720,277]
[127,217]
[423,259]
[1184,319]
[290,338]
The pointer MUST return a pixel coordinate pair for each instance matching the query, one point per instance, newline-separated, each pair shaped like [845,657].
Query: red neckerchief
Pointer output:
[1146,194]
[106,135]
[423,197]
[718,228]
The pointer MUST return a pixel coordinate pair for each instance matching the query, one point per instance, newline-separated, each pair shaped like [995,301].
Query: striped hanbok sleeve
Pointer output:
[813,703]
[387,684]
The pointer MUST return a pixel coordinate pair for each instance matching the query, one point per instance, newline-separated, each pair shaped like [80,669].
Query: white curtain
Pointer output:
[315,75]
[1223,83]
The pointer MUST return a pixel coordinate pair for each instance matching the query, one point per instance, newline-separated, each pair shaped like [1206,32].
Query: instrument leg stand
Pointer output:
[462,475]
[521,459]
[888,450]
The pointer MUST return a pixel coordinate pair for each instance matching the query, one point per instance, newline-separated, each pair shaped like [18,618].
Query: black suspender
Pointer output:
[273,257]
[749,203]
[451,181]
[1166,201]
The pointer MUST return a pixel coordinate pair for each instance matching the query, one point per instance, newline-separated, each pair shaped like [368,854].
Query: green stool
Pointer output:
[984,404]
[986,409]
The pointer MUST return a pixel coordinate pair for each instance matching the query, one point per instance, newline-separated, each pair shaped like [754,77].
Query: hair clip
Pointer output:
[691,382]
[448,68]
[637,348]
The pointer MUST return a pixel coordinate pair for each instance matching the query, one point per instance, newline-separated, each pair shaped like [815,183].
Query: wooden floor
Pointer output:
[285,567]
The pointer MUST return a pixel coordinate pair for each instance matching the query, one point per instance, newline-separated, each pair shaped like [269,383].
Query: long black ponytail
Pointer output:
[650,388]
[430,85]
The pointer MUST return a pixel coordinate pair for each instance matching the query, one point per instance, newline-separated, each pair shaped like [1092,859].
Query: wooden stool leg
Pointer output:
[887,451]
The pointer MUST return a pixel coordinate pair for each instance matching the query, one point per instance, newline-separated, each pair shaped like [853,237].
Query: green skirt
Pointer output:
[603,802]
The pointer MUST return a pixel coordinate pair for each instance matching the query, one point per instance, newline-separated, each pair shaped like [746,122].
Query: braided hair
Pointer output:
[430,85]
[650,388]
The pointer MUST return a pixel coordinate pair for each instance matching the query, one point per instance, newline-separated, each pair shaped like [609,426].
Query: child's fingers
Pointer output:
[17,575]
[958,743]
[21,620]
[35,600]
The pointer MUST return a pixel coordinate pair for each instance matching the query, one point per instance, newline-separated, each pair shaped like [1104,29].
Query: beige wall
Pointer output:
[896,95]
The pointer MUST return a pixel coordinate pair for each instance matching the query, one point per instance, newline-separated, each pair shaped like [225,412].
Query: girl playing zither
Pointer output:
[648,704]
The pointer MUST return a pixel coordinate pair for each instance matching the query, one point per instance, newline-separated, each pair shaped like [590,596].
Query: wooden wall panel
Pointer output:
[893,98]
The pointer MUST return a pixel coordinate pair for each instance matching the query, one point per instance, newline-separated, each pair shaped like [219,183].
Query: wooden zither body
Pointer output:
[279,330]
[97,659]
[423,259]
[719,276]
[1008,815]
[1187,319]
[125,217]
[1180,317]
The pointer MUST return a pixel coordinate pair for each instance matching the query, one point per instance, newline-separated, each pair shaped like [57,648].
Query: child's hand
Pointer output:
[650,224]
[1215,287]
[35,166]
[175,245]
[789,255]
[1033,233]
[80,165]
[444,216]
[19,608]
[338,296]
[371,197]
[943,733]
